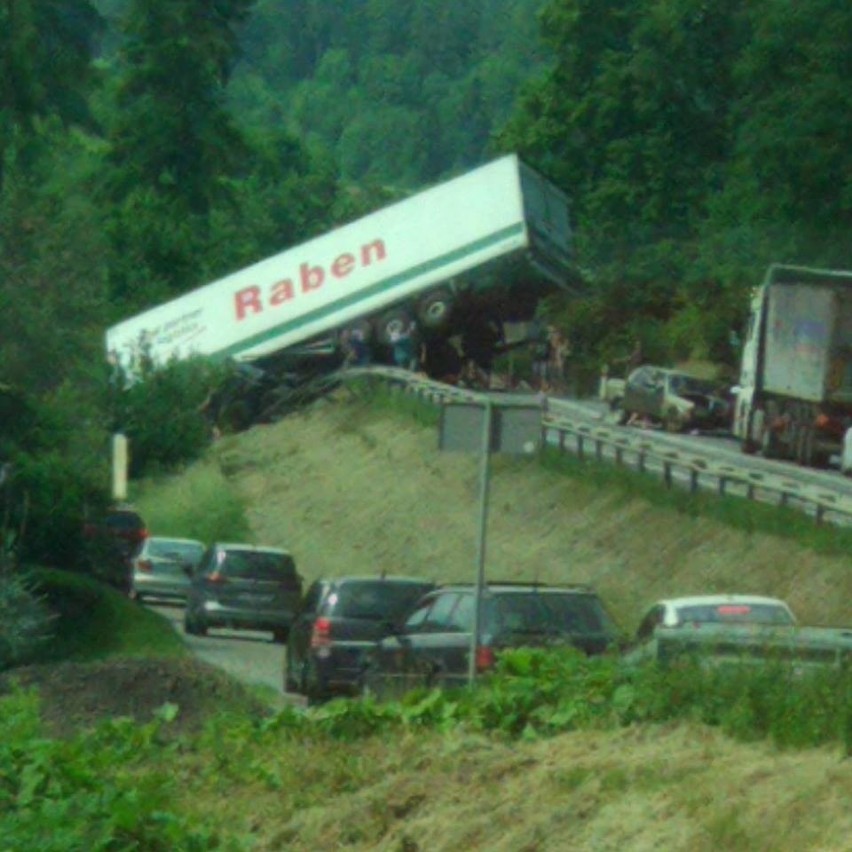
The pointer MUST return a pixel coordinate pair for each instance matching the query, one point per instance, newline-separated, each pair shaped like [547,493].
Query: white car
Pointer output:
[715,609]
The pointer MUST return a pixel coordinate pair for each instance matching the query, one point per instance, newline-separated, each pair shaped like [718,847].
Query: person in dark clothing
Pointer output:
[440,360]
[480,340]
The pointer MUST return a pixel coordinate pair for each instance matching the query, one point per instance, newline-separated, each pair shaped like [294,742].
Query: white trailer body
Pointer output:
[502,212]
[795,395]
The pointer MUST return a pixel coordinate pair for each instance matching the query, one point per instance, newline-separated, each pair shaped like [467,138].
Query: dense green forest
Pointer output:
[147,146]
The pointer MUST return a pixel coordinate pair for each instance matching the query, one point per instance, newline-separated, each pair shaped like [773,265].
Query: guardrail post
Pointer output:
[722,482]
[619,455]
[640,461]
[693,481]
[667,473]
[599,449]
[580,446]
[820,514]
[561,440]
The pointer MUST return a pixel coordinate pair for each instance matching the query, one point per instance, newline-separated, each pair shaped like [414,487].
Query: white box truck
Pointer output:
[495,237]
[795,389]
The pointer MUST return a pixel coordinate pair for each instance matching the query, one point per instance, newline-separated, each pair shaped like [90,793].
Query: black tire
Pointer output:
[435,309]
[291,684]
[193,626]
[280,636]
[312,687]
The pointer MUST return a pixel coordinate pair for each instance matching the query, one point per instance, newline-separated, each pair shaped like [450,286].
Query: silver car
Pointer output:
[162,566]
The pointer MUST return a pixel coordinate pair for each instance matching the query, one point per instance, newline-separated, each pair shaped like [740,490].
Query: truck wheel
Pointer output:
[291,684]
[434,309]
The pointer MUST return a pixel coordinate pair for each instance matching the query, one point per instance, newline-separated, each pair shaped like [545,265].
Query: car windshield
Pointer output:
[375,599]
[123,521]
[731,613]
[257,565]
[184,550]
[524,612]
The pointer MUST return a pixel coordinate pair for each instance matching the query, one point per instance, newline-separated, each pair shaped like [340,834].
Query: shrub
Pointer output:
[24,618]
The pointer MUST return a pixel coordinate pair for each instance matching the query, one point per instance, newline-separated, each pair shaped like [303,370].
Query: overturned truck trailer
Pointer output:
[486,244]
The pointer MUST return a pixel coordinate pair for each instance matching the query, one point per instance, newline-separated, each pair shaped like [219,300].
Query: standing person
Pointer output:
[540,338]
[402,344]
[559,351]
[359,352]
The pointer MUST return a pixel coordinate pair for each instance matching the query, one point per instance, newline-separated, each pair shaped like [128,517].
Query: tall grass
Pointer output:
[200,504]
[734,512]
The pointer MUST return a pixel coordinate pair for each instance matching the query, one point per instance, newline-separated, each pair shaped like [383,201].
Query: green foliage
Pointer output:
[400,92]
[163,412]
[539,693]
[95,792]
[90,621]
[198,504]
[25,621]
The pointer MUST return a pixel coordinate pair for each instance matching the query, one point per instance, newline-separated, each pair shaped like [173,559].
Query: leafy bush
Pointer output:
[24,618]
[95,792]
[164,413]
[539,693]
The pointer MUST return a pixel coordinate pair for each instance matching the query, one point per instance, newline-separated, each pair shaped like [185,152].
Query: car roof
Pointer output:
[512,586]
[375,578]
[256,548]
[172,539]
[714,600]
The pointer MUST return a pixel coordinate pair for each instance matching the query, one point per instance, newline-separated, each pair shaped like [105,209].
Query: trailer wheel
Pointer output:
[434,309]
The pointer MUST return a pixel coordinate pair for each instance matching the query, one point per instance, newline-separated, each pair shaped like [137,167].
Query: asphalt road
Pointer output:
[248,655]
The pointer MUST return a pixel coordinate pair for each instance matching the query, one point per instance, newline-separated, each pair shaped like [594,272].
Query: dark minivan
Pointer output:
[242,586]
[340,619]
[432,646]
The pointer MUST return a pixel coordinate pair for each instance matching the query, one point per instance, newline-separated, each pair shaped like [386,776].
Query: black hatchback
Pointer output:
[338,622]
[432,646]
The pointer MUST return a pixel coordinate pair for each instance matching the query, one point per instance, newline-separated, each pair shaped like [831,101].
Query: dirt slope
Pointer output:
[351,490]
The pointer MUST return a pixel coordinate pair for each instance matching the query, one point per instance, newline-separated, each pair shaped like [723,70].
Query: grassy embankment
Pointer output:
[358,486]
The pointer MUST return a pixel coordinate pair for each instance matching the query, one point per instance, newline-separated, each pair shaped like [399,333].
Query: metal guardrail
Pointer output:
[603,443]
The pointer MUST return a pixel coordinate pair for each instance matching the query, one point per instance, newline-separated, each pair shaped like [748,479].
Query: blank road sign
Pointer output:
[515,429]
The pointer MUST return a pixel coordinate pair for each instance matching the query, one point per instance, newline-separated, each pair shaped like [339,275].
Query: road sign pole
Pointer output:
[484,475]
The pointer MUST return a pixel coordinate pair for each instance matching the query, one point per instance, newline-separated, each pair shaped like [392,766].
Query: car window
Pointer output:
[376,600]
[461,618]
[580,614]
[415,621]
[439,615]
[123,521]
[183,550]
[256,565]
[735,613]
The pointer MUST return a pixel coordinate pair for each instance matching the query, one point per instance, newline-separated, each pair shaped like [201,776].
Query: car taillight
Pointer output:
[485,658]
[217,578]
[145,565]
[321,633]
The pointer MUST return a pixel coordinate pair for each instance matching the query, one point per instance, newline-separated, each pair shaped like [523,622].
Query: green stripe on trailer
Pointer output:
[376,289]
